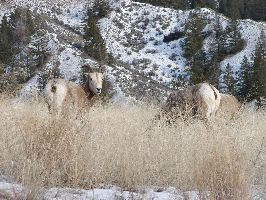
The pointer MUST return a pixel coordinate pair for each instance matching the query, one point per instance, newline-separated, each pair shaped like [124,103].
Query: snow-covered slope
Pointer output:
[250,31]
[135,33]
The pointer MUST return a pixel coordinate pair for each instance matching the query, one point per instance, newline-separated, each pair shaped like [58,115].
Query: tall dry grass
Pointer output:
[124,146]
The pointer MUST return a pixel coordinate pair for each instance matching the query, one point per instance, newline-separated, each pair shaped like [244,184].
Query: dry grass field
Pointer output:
[124,146]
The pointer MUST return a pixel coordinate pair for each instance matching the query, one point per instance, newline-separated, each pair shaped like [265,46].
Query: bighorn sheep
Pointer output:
[202,100]
[229,106]
[62,95]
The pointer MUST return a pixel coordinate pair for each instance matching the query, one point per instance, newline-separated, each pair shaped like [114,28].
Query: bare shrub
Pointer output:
[123,146]
[222,174]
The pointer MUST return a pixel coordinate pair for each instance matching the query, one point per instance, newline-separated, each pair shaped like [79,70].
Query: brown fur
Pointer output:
[189,102]
[81,96]
[229,106]
[184,101]
[64,96]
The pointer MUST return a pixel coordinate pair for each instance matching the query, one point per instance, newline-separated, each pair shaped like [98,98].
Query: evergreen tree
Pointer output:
[219,41]
[193,47]
[231,8]
[254,9]
[46,75]
[100,8]
[235,9]
[214,73]
[84,74]
[5,41]
[95,46]
[1,68]
[215,55]
[30,23]
[40,50]
[202,3]
[14,17]
[245,86]
[259,67]
[229,81]
[14,33]
[193,32]
[233,40]
[197,70]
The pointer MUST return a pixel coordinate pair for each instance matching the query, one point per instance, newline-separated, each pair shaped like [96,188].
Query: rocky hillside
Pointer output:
[145,42]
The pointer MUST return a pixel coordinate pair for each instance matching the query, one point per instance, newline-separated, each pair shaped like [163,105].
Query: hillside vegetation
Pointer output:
[237,9]
[154,48]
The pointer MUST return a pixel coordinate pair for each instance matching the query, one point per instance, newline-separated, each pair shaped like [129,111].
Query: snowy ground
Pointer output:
[111,193]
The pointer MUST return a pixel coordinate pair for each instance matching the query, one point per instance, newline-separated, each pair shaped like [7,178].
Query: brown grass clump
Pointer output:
[222,174]
[123,146]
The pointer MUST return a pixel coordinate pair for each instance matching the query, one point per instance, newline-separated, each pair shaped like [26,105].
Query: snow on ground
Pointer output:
[112,193]
[9,187]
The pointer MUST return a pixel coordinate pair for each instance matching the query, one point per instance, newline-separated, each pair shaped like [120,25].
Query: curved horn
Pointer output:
[87,68]
[101,68]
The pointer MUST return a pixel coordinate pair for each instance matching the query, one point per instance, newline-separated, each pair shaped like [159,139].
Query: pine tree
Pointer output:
[233,40]
[30,23]
[84,74]
[15,16]
[193,32]
[95,45]
[220,38]
[235,9]
[245,80]
[197,71]
[40,50]
[229,80]
[5,41]
[214,73]
[231,8]
[100,8]
[259,66]
[46,75]
[202,3]
[193,47]
[215,55]
[1,68]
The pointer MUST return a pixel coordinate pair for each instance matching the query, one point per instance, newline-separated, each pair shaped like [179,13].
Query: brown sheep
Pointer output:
[229,106]
[201,100]
[62,95]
